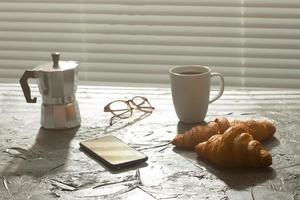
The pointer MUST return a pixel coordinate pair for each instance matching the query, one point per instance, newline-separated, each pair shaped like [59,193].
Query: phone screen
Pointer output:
[113,152]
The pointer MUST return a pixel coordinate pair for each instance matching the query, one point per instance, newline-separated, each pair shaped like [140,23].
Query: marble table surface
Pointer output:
[39,164]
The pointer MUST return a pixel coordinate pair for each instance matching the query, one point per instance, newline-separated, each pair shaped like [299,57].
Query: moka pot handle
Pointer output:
[25,87]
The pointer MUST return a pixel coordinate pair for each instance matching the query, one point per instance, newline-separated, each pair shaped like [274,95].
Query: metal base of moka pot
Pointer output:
[60,116]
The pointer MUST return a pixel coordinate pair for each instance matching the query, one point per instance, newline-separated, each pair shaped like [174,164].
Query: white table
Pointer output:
[53,166]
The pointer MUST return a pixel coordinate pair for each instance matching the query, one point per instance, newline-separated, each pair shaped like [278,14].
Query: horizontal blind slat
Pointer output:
[272,13]
[68,28]
[271,82]
[105,29]
[125,58]
[271,53]
[271,62]
[271,23]
[272,74]
[99,18]
[271,43]
[122,9]
[122,39]
[125,49]
[235,3]
[272,3]
[271,33]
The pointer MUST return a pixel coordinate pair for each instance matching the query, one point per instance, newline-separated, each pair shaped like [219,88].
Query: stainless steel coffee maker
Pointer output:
[57,84]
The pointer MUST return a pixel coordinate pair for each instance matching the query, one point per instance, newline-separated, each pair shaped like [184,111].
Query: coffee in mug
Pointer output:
[190,87]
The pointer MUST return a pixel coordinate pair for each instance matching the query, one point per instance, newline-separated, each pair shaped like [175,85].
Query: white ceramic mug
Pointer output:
[190,87]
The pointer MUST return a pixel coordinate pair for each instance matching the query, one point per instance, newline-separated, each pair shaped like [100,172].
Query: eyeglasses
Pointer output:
[123,109]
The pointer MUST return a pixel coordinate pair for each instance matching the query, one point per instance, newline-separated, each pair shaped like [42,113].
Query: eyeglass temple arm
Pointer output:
[147,107]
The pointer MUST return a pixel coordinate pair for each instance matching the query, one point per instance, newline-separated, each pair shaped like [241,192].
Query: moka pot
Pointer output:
[57,84]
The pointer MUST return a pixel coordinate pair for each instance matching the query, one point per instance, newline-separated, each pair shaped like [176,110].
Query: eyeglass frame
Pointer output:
[129,106]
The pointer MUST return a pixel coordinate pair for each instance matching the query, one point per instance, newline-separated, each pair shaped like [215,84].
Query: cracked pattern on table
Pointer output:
[42,164]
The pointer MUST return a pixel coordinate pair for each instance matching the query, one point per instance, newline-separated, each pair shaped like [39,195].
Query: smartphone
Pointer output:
[113,152]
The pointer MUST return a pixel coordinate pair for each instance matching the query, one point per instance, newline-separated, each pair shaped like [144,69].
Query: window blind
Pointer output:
[271,43]
[137,41]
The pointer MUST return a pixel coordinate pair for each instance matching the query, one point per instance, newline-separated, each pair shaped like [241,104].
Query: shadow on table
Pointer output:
[238,179]
[182,127]
[47,155]
[121,124]
[271,143]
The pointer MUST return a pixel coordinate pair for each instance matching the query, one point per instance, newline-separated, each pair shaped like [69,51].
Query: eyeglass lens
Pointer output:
[121,109]
[142,104]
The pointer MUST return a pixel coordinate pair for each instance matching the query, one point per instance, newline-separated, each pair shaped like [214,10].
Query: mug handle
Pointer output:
[221,87]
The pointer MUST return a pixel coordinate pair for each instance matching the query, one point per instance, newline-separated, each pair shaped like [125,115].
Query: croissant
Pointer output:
[260,130]
[235,148]
[197,134]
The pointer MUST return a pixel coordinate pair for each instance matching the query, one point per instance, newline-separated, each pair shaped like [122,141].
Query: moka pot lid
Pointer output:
[57,65]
